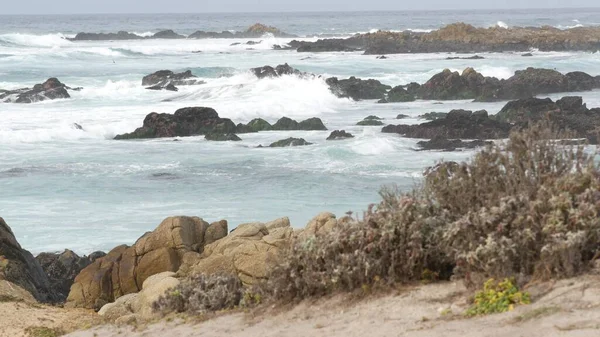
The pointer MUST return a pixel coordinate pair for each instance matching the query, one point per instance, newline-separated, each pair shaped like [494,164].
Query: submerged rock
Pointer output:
[370,121]
[222,137]
[167,34]
[168,80]
[339,134]
[49,90]
[290,142]
[357,88]
[185,122]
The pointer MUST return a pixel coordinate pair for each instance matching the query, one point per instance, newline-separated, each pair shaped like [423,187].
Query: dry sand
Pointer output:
[563,308]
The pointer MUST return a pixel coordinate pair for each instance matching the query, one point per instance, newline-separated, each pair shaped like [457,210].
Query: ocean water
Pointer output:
[66,188]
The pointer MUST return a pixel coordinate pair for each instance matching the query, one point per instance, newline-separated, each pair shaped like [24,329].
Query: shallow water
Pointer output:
[68,188]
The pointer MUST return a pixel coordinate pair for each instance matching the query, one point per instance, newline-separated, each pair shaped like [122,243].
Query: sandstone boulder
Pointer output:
[125,269]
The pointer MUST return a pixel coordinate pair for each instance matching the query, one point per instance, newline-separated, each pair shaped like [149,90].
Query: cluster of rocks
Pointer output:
[460,38]
[51,89]
[168,80]
[123,284]
[445,131]
[255,31]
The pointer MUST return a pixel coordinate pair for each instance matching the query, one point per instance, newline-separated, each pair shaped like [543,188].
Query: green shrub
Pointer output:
[497,297]
[41,331]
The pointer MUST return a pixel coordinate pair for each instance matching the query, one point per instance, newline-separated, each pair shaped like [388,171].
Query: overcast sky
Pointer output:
[200,6]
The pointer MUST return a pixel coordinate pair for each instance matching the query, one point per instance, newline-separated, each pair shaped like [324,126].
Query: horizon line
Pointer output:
[309,11]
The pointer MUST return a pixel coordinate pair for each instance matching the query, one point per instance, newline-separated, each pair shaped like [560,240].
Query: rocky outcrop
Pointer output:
[255,125]
[449,85]
[49,90]
[399,94]
[461,38]
[339,135]
[255,31]
[222,137]
[431,116]
[62,269]
[445,144]
[290,142]
[458,124]
[124,269]
[370,121]
[568,113]
[18,267]
[280,70]
[357,88]
[288,124]
[185,122]
[168,80]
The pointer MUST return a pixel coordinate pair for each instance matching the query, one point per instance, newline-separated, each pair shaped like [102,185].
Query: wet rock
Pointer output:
[49,90]
[121,35]
[521,110]
[185,122]
[255,125]
[167,34]
[339,135]
[168,80]
[370,121]
[444,144]
[580,81]
[290,142]
[357,88]
[280,70]
[527,55]
[382,57]
[253,43]
[474,57]
[402,116]
[431,116]
[399,94]
[285,124]
[288,124]
[462,124]
[222,137]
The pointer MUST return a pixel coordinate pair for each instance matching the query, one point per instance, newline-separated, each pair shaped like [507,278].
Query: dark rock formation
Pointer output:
[63,268]
[121,35]
[18,266]
[185,122]
[167,34]
[370,121]
[449,85]
[357,88]
[568,113]
[402,116]
[527,55]
[255,125]
[222,137]
[474,57]
[431,116]
[288,124]
[461,38]
[280,70]
[458,124]
[339,135]
[51,89]
[399,94]
[168,80]
[444,144]
[290,142]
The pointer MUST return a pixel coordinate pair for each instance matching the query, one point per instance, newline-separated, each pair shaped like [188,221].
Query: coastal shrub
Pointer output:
[497,297]
[397,241]
[201,294]
[528,207]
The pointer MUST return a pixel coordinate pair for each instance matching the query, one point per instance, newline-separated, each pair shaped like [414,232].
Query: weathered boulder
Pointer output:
[185,122]
[18,267]
[222,137]
[357,88]
[431,116]
[49,90]
[285,124]
[339,134]
[580,81]
[445,144]
[248,251]
[449,85]
[63,268]
[457,124]
[370,121]
[168,80]
[290,142]
[124,270]
[521,110]
[321,224]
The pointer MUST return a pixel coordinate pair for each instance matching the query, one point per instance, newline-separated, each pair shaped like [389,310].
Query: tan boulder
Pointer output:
[319,225]
[124,270]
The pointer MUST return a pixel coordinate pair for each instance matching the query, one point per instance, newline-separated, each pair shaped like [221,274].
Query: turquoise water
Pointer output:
[65,188]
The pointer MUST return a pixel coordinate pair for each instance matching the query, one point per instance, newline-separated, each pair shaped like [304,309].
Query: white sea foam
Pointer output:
[29,40]
[502,24]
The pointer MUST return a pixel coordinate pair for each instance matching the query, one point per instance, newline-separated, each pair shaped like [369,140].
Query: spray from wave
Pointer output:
[29,40]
